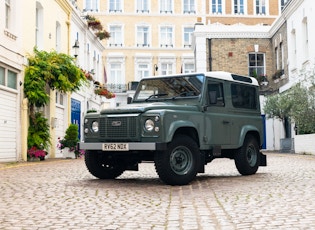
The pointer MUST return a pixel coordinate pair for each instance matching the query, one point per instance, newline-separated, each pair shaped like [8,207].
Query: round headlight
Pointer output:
[95,126]
[149,125]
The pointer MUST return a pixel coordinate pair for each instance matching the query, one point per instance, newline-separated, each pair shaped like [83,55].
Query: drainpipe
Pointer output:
[210,54]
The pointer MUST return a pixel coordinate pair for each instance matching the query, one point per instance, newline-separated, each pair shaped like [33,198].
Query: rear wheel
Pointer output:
[103,166]
[247,158]
[178,165]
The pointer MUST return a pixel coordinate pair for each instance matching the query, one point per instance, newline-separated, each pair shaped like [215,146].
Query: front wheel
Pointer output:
[103,166]
[178,165]
[247,158]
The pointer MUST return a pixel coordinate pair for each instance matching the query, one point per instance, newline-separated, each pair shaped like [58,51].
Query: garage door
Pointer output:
[8,126]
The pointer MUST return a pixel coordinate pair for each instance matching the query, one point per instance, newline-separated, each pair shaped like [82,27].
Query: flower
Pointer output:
[62,143]
[87,74]
[104,92]
[102,34]
[34,152]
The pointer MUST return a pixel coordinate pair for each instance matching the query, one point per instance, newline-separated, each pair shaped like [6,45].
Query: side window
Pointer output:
[243,96]
[215,94]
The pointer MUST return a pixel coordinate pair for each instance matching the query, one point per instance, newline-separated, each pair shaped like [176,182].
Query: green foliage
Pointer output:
[47,70]
[298,103]
[71,138]
[57,70]
[278,106]
[303,108]
[38,132]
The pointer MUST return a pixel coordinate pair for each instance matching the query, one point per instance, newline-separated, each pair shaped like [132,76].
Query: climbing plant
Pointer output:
[47,70]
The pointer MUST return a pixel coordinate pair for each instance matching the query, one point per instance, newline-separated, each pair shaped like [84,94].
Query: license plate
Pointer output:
[115,147]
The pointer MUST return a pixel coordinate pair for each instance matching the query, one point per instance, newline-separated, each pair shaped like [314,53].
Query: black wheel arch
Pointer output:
[188,131]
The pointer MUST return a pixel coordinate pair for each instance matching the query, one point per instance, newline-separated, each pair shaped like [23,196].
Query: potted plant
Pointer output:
[68,144]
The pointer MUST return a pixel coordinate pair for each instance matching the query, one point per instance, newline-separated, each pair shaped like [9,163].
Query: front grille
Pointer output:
[119,128]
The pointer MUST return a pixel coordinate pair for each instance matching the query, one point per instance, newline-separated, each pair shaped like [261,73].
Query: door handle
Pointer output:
[226,122]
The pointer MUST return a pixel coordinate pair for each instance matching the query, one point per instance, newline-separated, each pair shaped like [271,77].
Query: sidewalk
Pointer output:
[21,163]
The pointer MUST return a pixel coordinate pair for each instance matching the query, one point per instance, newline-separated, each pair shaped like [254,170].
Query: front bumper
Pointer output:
[133,146]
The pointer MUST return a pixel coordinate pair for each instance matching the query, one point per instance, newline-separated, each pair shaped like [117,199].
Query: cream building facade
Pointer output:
[48,25]
[154,37]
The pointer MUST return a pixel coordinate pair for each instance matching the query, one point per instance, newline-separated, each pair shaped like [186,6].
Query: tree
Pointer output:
[278,106]
[298,104]
[47,70]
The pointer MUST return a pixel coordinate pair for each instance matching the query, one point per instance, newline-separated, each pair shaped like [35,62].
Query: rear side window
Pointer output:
[243,96]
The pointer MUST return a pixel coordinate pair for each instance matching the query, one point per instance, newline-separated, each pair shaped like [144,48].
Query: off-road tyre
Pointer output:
[102,166]
[247,158]
[179,164]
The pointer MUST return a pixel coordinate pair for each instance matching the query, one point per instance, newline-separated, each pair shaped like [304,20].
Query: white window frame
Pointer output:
[166,36]
[263,72]
[6,78]
[262,6]
[116,35]
[219,5]
[189,6]
[58,37]
[188,35]
[114,81]
[166,65]
[7,14]
[305,38]
[239,7]
[92,5]
[166,6]
[143,6]
[39,27]
[118,6]
[143,38]
[185,69]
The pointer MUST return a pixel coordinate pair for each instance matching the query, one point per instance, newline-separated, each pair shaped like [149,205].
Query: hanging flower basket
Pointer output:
[104,92]
[102,34]
[95,25]
[88,75]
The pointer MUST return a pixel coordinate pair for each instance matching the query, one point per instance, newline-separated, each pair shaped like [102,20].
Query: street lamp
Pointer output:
[76,48]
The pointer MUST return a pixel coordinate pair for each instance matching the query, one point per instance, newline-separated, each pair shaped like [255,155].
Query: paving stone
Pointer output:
[61,194]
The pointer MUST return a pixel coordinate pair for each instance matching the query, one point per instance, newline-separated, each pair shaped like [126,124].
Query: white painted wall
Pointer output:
[305,144]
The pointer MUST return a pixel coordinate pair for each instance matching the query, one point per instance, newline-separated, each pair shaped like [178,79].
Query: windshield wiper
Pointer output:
[156,95]
[186,94]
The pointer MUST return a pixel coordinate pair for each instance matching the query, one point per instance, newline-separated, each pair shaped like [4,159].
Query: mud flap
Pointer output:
[263,159]
[202,163]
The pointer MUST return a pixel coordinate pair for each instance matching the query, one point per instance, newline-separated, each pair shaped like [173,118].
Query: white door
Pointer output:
[60,127]
[8,126]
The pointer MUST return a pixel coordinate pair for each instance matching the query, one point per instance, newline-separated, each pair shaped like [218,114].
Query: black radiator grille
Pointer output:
[118,128]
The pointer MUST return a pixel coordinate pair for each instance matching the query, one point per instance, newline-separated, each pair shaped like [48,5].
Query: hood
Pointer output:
[143,107]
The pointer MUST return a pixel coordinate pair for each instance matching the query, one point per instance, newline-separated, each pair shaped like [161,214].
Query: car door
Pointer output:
[217,120]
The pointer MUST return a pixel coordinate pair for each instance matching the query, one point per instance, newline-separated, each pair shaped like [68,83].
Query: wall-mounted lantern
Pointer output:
[76,48]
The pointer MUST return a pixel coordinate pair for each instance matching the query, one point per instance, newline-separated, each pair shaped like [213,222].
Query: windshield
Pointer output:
[166,88]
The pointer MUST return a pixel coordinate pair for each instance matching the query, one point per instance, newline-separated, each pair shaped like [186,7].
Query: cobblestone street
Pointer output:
[61,194]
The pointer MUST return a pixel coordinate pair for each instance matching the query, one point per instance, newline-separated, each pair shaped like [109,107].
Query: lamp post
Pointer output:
[76,48]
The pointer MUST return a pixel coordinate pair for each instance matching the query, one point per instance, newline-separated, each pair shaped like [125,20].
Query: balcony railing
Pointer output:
[117,88]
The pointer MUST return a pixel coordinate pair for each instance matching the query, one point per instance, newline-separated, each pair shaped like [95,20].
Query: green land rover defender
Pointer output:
[181,123]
